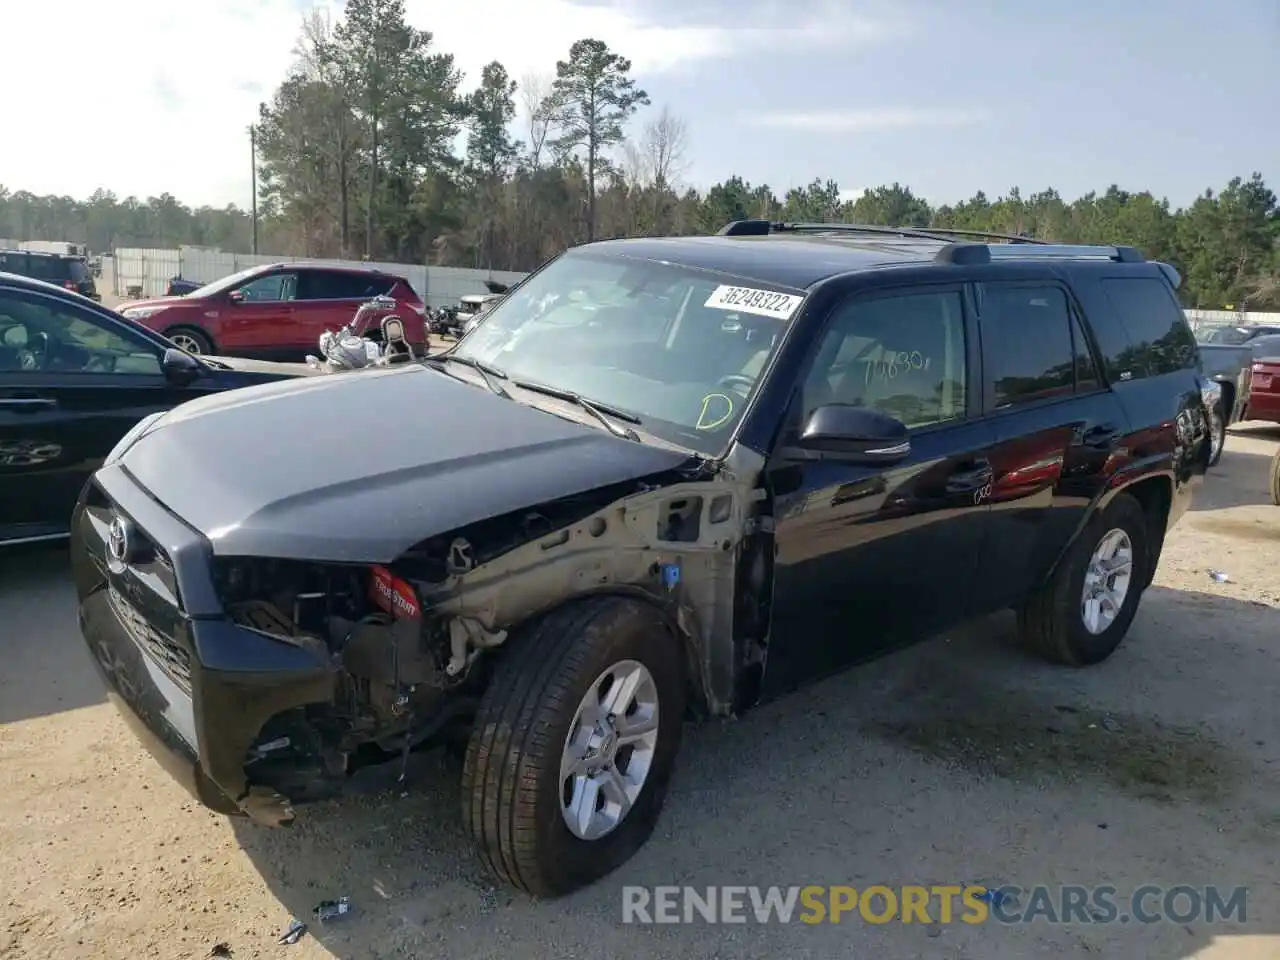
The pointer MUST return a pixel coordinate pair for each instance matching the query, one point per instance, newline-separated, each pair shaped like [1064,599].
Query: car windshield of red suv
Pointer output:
[226,283]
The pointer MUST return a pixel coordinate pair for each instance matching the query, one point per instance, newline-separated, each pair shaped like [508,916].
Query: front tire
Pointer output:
[574,745]
[1080,617]
[191,340]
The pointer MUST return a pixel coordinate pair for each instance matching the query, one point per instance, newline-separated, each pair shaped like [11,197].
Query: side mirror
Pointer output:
[235,296]
[180,368]
[859,434]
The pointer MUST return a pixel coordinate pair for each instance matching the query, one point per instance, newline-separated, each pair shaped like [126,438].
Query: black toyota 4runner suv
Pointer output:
[663,478]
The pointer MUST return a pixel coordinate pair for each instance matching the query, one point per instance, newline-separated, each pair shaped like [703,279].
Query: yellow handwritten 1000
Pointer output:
[891,363]
[879,904]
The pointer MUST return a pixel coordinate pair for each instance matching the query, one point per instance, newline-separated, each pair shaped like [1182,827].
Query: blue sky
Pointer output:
[1173,97]
[948,98]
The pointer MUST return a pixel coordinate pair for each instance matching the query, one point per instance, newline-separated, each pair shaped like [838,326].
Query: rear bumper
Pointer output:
[1263,406]
[197,689]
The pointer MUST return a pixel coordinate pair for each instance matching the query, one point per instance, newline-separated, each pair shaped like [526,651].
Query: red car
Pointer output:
[1264,392]
[276,312]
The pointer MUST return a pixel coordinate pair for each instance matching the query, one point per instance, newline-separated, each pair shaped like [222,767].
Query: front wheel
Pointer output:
[574,745]
[1082,614]
[191,340]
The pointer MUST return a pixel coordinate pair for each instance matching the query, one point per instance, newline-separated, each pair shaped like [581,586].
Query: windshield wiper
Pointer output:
[488,373]
[600,411]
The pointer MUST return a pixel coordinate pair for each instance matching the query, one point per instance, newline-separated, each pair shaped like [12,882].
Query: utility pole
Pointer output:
[253,179]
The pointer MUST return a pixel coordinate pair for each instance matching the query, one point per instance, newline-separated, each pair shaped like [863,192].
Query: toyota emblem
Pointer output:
[118,539]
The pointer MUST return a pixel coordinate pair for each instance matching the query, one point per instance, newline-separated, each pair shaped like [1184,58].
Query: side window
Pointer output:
[36,337]
[324,285]
[901,354]
[1160,339]
[1028,353]
[272,287]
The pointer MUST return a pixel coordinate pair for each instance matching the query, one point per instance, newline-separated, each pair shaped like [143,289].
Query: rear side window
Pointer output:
[322,285]
[1029,351]
[77,271]
[1158,337]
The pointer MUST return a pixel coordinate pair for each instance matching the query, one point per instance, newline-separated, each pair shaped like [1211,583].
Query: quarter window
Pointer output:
[902,354]
[1160,339]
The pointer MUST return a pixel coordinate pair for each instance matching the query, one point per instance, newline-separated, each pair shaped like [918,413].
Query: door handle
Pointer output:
[28,404]
[1101,437]
[970,476]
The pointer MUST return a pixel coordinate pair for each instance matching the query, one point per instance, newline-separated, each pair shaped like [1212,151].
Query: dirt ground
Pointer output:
[954,762]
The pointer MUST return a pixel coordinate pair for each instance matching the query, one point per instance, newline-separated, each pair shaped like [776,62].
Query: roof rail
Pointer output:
[760,228]
[976,253]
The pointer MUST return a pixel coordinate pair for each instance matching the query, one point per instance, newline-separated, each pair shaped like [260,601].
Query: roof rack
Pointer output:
[760,228]
[955,251]
[970,254]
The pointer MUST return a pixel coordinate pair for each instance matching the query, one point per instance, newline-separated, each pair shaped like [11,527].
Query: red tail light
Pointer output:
[70,285]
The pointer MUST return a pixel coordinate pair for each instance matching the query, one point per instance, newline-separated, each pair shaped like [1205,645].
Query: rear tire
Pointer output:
[1275,479]
[191,340]
[1056,624]
[514,779]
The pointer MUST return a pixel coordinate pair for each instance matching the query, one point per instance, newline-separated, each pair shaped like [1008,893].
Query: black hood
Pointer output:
[361,466]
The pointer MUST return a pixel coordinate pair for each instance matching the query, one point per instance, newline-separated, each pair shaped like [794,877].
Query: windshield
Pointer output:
[680,349]
[226,283]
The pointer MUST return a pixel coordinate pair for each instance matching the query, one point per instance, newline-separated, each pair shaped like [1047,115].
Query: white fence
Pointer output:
[146,272]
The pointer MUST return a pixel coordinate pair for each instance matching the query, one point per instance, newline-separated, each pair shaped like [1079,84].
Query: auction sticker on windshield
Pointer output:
[764,303]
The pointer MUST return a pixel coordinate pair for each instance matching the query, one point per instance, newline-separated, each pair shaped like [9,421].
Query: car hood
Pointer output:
[361,466]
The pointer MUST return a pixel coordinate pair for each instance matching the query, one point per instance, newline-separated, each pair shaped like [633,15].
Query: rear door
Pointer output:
[1056,427]
[262,324]
[72,382]
[328,299]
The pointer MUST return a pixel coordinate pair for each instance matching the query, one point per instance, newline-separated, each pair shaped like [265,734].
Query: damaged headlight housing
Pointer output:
[140,428]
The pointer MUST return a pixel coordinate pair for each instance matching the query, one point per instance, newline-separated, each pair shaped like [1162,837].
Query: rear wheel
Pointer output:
[573,748]
[190,339]
[1082,614]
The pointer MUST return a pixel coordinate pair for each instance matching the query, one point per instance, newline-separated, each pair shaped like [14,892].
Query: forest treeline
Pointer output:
[373,147]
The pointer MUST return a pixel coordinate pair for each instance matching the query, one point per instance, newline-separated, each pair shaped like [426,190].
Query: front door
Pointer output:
[258,319]
[72,384]
[870,557]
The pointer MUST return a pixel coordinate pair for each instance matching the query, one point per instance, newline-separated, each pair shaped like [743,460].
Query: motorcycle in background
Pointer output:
[353,348]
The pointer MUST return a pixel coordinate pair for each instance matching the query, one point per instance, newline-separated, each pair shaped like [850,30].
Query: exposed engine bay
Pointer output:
[410,645]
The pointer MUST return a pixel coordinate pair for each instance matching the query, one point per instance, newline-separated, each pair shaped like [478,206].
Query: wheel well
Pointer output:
[1155,495]
[1228,401]
[690,645]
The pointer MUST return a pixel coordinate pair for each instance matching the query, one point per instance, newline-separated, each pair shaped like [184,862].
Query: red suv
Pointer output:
[276,312]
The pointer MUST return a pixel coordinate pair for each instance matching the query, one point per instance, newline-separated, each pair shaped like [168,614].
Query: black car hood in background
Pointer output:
[361,466]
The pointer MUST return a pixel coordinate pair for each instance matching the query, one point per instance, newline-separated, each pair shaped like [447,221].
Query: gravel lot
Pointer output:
[956,761]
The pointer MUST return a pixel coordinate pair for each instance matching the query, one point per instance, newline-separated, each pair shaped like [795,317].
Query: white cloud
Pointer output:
[148,96]
[846,121]
[851,195]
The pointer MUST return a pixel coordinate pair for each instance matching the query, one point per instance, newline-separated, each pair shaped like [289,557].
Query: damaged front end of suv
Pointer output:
[548,543]
[404,651]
